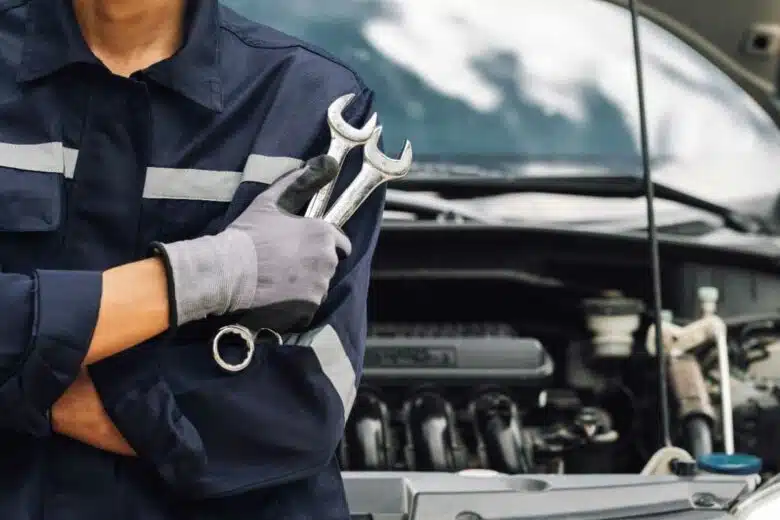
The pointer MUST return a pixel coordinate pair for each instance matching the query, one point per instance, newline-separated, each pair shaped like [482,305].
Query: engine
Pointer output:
[573,394]
[446,398]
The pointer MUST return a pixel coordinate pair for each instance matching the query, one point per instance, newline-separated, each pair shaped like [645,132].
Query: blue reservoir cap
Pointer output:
[723,464]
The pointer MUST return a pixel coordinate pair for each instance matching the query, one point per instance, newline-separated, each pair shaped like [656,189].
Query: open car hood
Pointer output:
[746,184]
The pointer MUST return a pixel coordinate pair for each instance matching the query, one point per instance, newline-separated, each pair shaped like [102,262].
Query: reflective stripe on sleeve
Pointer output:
[335,363]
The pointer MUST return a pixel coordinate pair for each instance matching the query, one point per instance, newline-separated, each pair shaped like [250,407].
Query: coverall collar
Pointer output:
[53,40]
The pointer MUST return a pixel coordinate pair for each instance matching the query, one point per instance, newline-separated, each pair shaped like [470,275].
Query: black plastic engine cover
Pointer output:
[457,361]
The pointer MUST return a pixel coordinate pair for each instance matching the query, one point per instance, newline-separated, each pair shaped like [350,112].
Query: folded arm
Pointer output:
[209,433]
[80,414]
[55,322]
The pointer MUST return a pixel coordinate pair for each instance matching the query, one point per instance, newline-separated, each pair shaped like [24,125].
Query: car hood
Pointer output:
[589,214]
[748,185]
[745,184]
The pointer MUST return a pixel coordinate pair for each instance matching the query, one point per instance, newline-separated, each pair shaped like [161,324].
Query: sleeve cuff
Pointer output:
[62,332]
[144,409]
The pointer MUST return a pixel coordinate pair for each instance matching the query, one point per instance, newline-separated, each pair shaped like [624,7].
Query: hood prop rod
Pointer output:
[655,263]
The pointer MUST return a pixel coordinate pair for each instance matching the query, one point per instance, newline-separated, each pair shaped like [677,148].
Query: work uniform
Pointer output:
[93,168]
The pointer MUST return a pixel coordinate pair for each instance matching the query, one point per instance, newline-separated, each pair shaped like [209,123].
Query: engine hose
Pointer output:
[693,402]
[699,434]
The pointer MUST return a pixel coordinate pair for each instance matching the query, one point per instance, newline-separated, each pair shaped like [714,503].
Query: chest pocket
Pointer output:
[32,204]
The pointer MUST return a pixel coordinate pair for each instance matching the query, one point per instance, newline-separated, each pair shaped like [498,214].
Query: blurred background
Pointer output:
[548,88]
[511,297]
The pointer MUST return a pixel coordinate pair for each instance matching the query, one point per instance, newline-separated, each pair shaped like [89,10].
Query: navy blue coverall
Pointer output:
[93,168]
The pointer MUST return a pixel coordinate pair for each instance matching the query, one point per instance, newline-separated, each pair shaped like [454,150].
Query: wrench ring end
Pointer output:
[246,336]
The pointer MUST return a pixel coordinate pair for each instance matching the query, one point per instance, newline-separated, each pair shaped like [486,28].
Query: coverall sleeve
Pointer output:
[46,325]
[211,434]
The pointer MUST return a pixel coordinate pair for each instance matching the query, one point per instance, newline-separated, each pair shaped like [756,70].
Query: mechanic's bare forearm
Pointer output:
[133,308]
[79,414]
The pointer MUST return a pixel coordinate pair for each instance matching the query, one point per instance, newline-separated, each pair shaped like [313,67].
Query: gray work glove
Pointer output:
[268,260]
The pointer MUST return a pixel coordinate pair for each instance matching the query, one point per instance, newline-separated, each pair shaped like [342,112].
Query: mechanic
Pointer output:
[151,159]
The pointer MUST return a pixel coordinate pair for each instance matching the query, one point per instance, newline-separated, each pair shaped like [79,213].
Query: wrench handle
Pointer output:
[355,195]
[318,204]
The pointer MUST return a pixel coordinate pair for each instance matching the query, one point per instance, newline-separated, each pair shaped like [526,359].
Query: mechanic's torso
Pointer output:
[94,167]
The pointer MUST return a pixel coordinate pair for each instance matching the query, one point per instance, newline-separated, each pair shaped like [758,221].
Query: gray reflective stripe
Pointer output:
[42,157]
[335,363]
[69,156]
[190,184]
[161,183]
[212,185]
[264,168]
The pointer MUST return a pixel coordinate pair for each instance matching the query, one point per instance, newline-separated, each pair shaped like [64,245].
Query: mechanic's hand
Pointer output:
[79,414]
[268,259]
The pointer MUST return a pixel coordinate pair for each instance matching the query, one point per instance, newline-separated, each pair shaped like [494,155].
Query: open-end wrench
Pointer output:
[343,138]
[377,169]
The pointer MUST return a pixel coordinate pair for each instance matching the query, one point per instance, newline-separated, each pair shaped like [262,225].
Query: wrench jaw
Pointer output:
[391,168]
[343,138]
[377,169]
[339,127]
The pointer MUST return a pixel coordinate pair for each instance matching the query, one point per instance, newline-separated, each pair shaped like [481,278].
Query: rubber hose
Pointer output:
[699,436]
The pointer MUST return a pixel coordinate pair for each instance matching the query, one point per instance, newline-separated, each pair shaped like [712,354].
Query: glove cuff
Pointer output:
[210,275]
[158,249]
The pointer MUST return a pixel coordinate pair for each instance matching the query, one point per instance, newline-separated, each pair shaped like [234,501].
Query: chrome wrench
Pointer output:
[377,169]
[343,138]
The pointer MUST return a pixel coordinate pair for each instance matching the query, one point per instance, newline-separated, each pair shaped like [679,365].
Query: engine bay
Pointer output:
[537,360]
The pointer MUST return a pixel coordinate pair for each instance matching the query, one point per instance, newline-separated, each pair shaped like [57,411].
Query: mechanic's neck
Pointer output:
[131,35]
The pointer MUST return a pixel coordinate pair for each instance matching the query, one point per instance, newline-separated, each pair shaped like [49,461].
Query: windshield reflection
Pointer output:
[539,80]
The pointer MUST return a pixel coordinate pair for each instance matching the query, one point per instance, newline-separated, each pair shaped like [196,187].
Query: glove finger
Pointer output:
[294,190]
[343,243]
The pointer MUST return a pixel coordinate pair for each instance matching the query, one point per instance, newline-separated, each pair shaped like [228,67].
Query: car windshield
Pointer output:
[547,84]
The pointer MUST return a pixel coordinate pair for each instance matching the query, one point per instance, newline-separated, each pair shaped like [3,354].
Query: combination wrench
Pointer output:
[377,169]
[343,138]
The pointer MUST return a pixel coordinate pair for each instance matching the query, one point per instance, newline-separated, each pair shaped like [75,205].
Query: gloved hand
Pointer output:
[268,260]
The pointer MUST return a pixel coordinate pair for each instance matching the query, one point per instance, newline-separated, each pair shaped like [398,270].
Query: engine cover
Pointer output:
[443,398]
[457,360]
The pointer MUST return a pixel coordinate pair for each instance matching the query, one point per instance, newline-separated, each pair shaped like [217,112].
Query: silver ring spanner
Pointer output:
[248,338]
[377,169]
